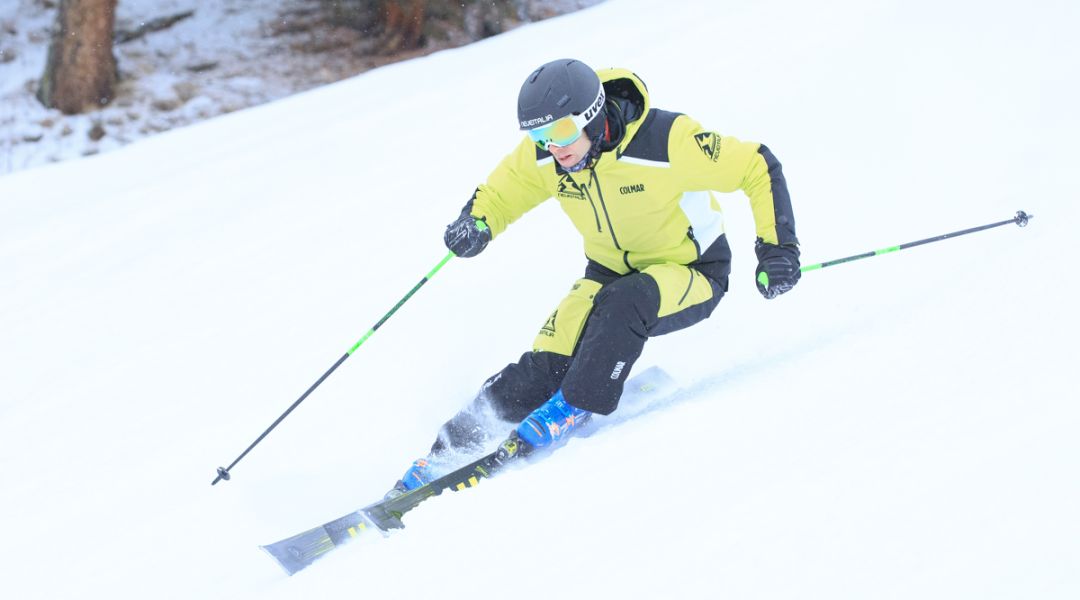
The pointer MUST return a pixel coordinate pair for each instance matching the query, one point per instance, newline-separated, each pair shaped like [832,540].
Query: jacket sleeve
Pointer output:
[513,188]
[707,160]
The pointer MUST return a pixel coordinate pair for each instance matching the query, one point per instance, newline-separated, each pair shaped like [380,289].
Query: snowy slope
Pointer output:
[899,427]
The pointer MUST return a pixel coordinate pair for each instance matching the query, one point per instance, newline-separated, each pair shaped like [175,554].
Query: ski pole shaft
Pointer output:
[1021,219]
[223,472]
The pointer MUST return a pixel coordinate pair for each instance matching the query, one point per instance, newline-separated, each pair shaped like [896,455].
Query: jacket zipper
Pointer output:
[689,286]
[697,246]
[603,206]
[585,191]
[595,213]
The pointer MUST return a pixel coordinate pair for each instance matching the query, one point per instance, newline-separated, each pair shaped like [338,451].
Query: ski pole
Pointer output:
[223,472]
[1021,220]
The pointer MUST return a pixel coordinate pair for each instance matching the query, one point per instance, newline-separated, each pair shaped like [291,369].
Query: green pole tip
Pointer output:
[481,225]
[763,279]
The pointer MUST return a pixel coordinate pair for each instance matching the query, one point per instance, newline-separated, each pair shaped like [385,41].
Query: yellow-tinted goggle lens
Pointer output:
[562,132]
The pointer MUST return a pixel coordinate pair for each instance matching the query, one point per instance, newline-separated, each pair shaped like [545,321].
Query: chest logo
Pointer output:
[568,189]
[632,189]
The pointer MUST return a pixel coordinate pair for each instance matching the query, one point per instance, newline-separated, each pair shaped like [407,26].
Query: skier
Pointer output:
[636,182]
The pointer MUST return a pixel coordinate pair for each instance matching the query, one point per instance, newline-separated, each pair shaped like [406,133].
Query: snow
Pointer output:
[898,427]
[158,88]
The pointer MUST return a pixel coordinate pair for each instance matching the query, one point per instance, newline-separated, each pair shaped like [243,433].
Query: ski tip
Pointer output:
[286,562]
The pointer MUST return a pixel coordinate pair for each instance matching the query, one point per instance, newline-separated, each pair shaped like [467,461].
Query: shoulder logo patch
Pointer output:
[709,143]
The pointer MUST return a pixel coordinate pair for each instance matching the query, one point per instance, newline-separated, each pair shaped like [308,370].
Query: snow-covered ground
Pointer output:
[899,427]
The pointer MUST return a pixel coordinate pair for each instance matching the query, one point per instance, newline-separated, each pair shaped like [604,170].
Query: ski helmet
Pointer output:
[557,90]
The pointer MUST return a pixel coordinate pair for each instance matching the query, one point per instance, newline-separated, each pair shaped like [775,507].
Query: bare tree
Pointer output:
[80,72]
[395,24]
[402,25]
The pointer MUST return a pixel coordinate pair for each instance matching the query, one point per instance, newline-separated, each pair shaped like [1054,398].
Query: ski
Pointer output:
[299,551]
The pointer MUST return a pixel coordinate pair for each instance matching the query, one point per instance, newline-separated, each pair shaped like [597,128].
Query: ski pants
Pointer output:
[591,340]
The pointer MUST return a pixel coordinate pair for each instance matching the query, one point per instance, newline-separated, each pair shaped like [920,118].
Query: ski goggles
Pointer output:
[561,132]
[567,130]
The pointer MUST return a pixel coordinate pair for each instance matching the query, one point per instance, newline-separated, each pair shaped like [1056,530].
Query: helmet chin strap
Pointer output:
[596,148]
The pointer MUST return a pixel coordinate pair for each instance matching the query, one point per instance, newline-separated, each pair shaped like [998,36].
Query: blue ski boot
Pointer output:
[418,474]
[552,422]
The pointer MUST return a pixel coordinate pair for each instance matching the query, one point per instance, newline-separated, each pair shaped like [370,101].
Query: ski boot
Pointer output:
[418,474]
[552,422]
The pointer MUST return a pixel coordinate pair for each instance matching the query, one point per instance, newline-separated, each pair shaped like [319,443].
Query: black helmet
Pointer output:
[557,89]
[564,88]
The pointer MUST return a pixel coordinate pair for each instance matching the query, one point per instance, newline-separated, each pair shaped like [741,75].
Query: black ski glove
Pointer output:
[467,236]
[778,268]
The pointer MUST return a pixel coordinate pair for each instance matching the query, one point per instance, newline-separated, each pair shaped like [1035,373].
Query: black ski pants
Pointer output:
[593,338]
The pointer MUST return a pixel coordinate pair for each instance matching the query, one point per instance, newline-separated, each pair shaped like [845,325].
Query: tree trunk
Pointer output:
[80,72]
[402,25]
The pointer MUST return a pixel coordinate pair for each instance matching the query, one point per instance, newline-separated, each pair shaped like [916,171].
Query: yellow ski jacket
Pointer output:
[633,206]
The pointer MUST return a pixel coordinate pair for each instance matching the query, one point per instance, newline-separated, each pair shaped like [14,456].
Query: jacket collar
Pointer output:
[628,90]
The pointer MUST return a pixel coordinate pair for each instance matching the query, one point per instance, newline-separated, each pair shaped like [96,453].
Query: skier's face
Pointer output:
[571,154]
